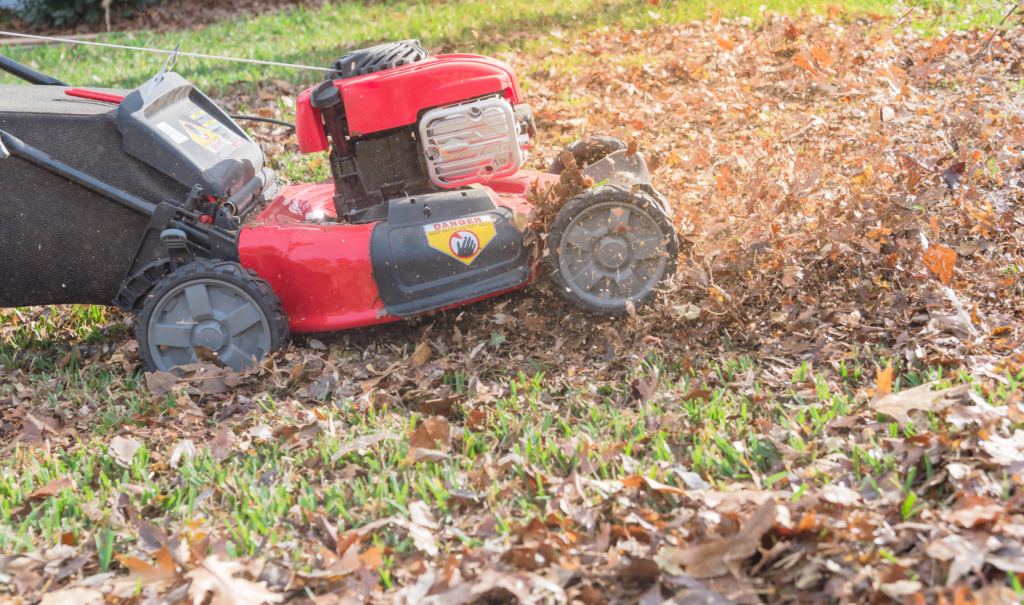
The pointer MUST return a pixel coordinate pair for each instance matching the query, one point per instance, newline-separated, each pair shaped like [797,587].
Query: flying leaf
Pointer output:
[372,558]
[724,43]
[884,382]
[804,62]
[520,221]
[951,176]
[940,260]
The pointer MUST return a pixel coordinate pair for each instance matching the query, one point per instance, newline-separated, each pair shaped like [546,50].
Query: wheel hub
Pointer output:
[613,252]
[211,334]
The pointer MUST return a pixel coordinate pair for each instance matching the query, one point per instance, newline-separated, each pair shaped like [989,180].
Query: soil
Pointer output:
[172,15]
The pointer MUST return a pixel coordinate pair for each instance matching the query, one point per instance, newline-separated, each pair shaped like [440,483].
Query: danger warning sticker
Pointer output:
[210,133]
[463,238]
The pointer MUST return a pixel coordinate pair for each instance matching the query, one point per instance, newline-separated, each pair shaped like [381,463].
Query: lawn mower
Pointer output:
[156,201]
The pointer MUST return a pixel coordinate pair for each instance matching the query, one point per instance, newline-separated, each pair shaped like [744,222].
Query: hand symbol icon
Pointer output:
[466,247]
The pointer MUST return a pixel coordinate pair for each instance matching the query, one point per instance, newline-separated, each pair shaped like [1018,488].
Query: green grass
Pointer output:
[317,37]
[722,439]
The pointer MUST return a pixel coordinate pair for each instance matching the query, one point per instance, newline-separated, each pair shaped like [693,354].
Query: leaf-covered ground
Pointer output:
[825,406]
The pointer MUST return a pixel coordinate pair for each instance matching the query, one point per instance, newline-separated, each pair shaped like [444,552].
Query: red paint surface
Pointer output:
[95,96]
[322,272]
[309,125]
[396,97]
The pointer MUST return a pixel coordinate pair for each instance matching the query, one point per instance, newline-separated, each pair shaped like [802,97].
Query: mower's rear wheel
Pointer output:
[609,248]
[218,305]
[587,151]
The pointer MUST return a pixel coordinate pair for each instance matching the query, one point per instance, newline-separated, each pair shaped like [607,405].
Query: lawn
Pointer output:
[825,406]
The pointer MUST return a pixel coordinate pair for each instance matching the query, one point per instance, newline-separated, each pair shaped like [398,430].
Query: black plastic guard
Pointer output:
[416,253]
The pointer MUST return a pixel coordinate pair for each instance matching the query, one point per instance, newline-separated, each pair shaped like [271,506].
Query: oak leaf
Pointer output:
[216,575]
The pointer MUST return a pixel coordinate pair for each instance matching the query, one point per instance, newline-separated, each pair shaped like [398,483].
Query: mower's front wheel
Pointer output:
[608,248]
[587,151]
[213,304]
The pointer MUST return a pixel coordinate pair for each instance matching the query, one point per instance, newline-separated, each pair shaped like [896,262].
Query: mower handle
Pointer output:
[25,73]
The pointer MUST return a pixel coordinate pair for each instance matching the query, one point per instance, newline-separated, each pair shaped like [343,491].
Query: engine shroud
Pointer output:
[471,142]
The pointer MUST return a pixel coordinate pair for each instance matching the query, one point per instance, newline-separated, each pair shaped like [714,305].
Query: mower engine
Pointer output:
[403,123]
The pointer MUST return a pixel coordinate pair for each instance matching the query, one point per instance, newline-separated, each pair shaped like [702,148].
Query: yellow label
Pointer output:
[199,134]
[210,133]
[462,238]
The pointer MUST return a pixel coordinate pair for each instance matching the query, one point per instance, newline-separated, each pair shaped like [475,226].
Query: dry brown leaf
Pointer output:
[419,454]
[419,513]
[159,576]
[940,261]
[803,61]
[971,511]
[649,386]
[661,487]
[883,384]
[372,557]
[160,383]
[713,558]
[123,450]
[216,576]
[220,448]
[73,596]
[53,488]
[434,434]
[362,442]
[421,355]
[922,398]
[520,221]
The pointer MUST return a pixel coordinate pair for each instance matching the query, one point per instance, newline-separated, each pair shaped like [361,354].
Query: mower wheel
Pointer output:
[213,304]
[609,247]
[587,151]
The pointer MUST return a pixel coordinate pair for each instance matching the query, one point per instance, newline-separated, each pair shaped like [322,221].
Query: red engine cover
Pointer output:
[396,97]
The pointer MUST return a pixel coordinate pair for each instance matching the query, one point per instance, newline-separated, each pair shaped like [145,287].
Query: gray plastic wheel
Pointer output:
[220,306]
[611,248]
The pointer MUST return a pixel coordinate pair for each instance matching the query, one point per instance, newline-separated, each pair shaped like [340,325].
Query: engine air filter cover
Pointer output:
[471,142]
